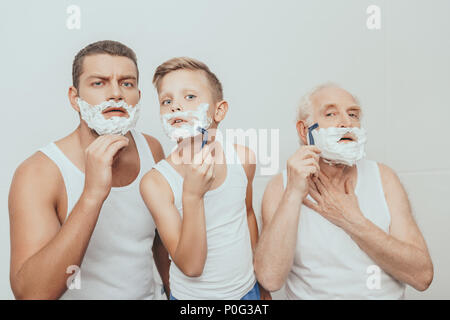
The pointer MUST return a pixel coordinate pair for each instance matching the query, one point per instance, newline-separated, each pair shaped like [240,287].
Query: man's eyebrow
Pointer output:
[327,105]
[103,77]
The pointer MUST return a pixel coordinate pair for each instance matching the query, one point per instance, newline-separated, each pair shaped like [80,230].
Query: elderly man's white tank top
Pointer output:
[118,260]
[328,264]
[228,272]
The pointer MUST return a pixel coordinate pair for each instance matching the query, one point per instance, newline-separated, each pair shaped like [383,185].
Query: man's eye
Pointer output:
[354,115]
[190,97]
[127,84]
[97,83]
[329,114]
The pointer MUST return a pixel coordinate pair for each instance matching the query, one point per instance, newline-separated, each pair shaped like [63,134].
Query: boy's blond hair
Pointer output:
[189,64]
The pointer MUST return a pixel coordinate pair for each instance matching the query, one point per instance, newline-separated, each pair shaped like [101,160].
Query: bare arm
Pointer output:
[280,218]
[184,238]
[42,249]
[160,254]
[403,252]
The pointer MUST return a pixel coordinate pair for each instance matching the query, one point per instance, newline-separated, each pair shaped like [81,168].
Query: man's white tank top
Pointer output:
[118,260]
[228,272]
[328,264]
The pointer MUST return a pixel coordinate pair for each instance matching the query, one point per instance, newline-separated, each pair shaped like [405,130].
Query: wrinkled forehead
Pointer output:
[334,96]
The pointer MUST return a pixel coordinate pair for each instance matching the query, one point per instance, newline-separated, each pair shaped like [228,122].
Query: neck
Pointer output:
[334,170]
[86,136]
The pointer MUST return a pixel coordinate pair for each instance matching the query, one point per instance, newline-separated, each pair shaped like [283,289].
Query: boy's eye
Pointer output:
[190,97]
[166,102]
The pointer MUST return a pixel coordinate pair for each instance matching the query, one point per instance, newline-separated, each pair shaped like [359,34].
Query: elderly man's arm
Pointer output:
[275,250]
[403,252]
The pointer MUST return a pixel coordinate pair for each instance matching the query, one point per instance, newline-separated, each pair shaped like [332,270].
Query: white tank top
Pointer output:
[328,264]
[228,272]
[118,260]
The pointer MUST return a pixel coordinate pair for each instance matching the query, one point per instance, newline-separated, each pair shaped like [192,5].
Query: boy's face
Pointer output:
[184,90]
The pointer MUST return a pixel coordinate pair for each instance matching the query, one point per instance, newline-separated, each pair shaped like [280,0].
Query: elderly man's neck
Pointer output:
[335,170]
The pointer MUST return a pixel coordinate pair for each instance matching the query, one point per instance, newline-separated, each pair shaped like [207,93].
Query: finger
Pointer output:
[315,195]
[349,186]
[103,144]
[324,178]
[313,149]
[319,185]
[113,148]
[310,162]
[311,205]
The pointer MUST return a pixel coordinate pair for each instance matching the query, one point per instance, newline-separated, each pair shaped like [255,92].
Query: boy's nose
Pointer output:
[176,108]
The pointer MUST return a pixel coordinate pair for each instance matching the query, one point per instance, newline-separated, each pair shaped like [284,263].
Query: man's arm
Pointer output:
[248,160]
[42,249]
[403,252]
[275,251]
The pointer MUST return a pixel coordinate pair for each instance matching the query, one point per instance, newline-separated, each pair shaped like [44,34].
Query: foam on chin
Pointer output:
[94,118]
[333,152]
[187,130]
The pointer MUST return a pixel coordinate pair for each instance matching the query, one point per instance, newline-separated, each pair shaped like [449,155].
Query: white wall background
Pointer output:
[267,54]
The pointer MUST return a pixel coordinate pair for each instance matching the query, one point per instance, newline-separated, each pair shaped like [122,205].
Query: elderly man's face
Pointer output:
[335,107]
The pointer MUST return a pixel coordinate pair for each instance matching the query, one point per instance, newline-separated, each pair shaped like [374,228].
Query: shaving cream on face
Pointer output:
[333,152]
[200,119]
[115,125]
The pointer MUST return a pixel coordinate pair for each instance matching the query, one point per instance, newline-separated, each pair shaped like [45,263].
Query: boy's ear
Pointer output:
[73,95]
[221,111]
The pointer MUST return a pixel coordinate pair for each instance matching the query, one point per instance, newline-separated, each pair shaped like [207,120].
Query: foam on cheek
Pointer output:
[200,119]
[327,140]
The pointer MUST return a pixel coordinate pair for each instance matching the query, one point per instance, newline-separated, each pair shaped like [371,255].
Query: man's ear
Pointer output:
[73,95]
[139,95]
[221,111]
[302,131]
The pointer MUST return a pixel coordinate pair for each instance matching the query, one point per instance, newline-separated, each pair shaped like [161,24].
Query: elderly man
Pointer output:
[336,226]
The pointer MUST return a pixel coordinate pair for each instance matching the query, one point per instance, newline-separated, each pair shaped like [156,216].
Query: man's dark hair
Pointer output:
[113,48]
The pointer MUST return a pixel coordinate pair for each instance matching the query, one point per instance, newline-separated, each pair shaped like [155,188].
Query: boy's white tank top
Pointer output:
[328,264]
[118,263]
[228,272]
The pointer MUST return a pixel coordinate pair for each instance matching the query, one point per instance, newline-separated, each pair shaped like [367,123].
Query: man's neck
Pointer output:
[335,170]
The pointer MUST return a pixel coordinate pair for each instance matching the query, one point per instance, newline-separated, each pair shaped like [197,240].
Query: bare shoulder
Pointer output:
[154,186]
[155,147]
[37,172]
[389,179]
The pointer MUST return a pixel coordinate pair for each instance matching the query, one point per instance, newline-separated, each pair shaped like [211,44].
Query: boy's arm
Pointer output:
[184,238]
[248,160]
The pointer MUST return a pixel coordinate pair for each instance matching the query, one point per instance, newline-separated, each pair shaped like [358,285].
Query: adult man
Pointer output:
[336,225]
[76,202]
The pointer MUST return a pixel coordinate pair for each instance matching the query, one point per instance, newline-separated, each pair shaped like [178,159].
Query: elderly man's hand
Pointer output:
[336,201]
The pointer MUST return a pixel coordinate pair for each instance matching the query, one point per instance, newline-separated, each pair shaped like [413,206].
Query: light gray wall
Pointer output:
[267,54]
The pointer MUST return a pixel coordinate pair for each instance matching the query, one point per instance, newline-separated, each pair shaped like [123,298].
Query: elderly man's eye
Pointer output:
[354,115]
[329,114]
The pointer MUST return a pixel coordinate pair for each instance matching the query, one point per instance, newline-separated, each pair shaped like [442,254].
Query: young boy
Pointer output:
[201,201]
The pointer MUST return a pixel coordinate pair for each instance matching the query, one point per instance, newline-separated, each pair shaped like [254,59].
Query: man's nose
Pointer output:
[345,121]
[115,92]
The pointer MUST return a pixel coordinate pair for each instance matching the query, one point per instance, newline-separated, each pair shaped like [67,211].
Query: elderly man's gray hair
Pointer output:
[305,108]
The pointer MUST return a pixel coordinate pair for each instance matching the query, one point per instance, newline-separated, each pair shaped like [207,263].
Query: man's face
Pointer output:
[184,90]
[105,77]
[335,107]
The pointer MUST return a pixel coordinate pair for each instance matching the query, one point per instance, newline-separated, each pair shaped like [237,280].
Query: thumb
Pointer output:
[349,186]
